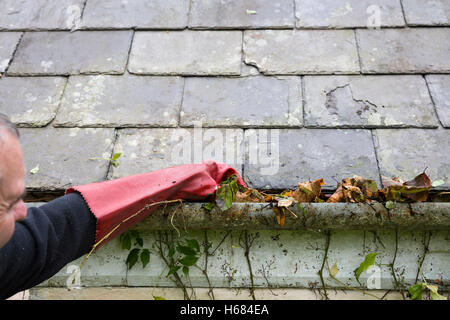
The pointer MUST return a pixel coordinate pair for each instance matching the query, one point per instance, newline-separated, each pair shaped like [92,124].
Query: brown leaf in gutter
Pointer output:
[355,190]
[416,189]
[308,191]
[249,195]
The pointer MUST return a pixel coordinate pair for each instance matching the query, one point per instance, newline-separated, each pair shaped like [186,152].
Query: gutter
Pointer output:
[315,216]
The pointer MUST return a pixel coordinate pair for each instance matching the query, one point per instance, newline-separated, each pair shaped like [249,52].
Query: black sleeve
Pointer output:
[50,237]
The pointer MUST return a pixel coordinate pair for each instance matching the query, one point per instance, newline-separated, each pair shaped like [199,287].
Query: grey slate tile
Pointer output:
[242,102]
[186,53]
[155,14]
[8,43]
[368,101]
[415,50]
[241,14]
[62,156]
[31,101]
[440,91]
[301,51]
[121,101]
[427,12]
[40,14]
[408,152]
[280,158]
[348,13]
[62,53]
[144,150]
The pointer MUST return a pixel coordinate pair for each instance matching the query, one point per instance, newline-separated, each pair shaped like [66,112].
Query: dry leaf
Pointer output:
[249,195]
[337,196]
[280,215]
[334,270]
[308,191]
[285,202]
[416,189]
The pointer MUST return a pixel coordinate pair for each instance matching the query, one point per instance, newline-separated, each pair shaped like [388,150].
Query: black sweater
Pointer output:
[49,238]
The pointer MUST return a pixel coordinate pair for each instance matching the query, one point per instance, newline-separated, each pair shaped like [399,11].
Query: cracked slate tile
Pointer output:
[408,152]
[427,12]
[301,51]
[8,43]
[281,158]
[40,14]
[242,102]
[440,91]
[186,53]
[159,14]
[348,13]
[62,156]
[63,53]
[121,101]
[31,101]
[415,50]
[368,101]
[144,150]
[241,14]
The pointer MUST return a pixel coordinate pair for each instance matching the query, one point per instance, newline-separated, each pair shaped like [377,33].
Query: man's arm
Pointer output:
[49,238]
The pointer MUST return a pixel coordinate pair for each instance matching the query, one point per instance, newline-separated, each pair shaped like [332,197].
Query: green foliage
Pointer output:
[183,254]
[114,158]
[145,257]
[368,261]
[226,193]
[209,206]
[138,252]
[416,291]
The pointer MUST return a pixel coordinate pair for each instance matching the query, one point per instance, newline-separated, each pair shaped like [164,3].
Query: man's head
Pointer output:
[12,179]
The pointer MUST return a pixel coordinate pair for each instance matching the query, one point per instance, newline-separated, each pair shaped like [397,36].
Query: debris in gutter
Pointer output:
[349,190]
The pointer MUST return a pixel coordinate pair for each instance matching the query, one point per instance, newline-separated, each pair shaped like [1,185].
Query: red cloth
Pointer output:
[113,201]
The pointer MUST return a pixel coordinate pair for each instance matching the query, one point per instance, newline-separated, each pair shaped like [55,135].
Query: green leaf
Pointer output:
[173,270]
[209,206]
[186,271]
[226,193]
[437,183]
[116,156]
[132,258]
[192,243]
[158,298]
[186,250]
[368,261]
[434,292]
[145,257]
[125,240]
[140,241]
[416,291]
[189,260]
[390,204]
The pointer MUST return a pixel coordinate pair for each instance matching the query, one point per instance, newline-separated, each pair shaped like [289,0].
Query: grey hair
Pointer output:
[7,124]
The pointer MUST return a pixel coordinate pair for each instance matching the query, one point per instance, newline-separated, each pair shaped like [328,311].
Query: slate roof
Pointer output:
[322,94]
